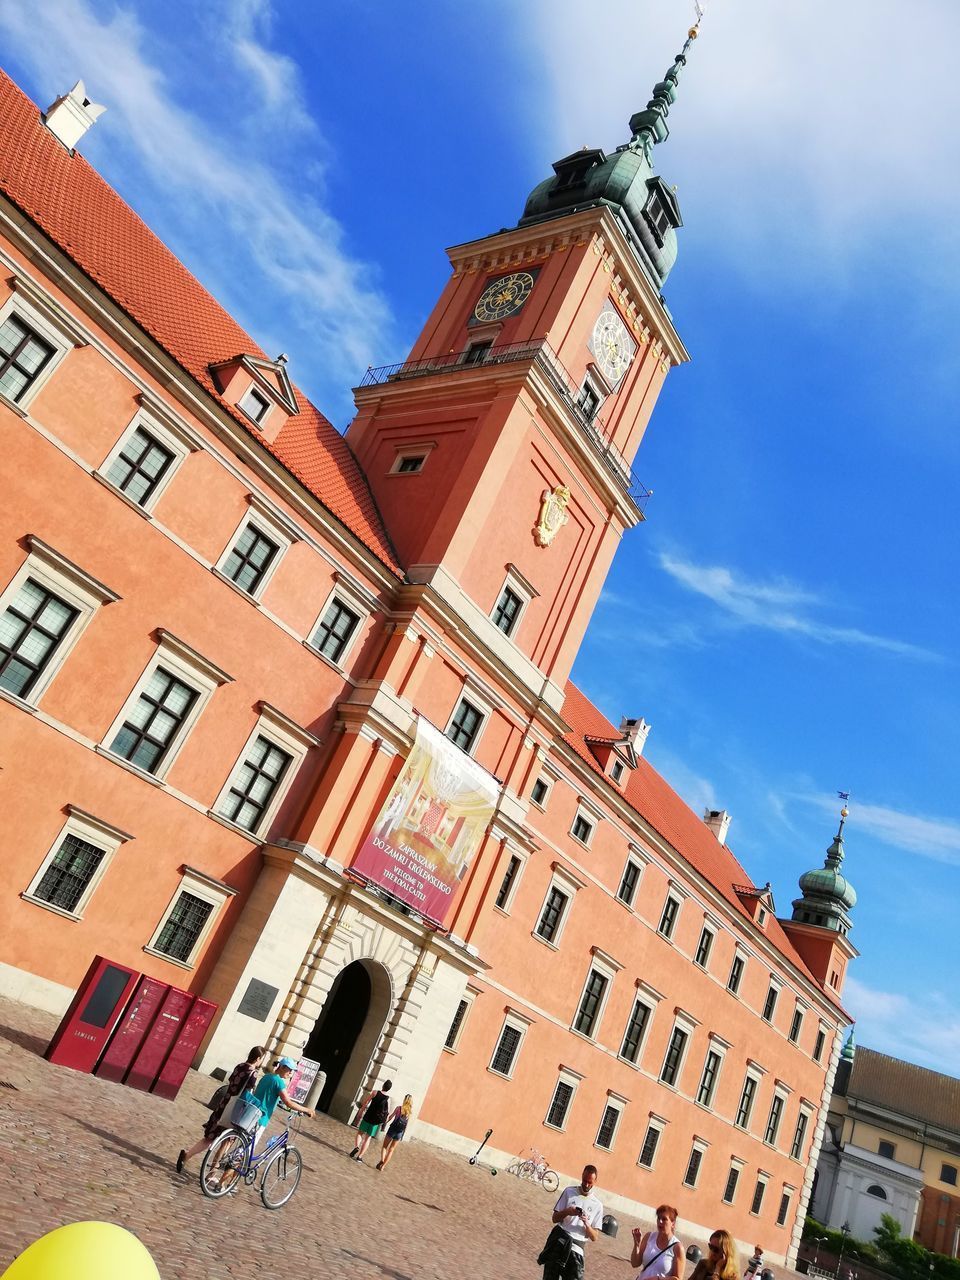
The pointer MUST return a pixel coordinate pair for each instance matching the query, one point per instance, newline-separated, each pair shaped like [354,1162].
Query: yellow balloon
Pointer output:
[84,1251]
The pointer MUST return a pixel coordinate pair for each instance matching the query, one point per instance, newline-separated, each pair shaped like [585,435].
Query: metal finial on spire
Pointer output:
[649,127]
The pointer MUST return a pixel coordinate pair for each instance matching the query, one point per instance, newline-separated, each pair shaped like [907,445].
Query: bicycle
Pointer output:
[537,1169]
[232,1160]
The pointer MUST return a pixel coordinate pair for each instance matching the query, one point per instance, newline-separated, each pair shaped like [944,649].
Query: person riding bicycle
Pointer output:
[273,1088]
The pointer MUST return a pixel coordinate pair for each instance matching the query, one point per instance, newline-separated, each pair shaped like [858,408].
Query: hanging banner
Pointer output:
[430,826]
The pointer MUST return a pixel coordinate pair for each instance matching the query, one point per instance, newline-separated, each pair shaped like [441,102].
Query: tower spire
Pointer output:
[650,125]
[827,895]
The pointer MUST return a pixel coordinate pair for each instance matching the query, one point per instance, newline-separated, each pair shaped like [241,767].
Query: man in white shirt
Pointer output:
[580,1214]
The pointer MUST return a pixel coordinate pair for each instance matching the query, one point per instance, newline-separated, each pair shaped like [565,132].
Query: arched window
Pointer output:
[877,1191]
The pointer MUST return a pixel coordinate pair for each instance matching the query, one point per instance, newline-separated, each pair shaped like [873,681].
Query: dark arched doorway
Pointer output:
[335,1031]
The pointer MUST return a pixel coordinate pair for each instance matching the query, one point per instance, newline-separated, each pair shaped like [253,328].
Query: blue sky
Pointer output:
[787,617]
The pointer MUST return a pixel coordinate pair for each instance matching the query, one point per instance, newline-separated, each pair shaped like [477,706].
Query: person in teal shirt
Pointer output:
[271,1089]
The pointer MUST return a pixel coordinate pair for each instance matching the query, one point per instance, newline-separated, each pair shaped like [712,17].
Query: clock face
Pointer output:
[503,297]
[612,346]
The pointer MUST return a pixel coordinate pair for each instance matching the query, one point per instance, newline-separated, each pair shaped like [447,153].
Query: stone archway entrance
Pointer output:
[346,1033]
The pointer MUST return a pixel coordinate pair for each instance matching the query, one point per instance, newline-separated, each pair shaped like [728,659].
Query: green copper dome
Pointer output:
[625,182]
[828,896]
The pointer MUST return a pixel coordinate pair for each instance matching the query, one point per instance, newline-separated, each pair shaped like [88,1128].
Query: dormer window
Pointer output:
[255,405]
[658,218]
[618,770]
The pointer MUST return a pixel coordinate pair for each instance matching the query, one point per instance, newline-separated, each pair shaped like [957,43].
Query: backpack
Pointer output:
[378,1109]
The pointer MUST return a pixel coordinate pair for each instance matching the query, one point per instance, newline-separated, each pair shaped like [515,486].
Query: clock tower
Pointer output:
[501,451]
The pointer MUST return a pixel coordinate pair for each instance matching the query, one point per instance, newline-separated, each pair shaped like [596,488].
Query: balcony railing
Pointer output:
[592,427]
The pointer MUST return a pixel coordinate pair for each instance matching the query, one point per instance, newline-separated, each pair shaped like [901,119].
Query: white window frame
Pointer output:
[190,667]
[589,815]
[201,886]
[254,389]
[681,1022]
[719,1047]
[548,783]
[808,1111]
[568,884]
[632,859]
[344,593]
[94,831]
[645,995]
[774,985]
[739,1165]
[763,1179]
[265,521]
[407,450]
[522,589]
[710,928]
[738,952]
[75,587]
[572,1079]
[593,380]
[789,1192]
[284,733]
[468,996]
[673,895]
[701,1145]
[168,432]
[783,1094]
[751,1073]
[659,1124]
[802,1009]
[469,694]
[606,965]
[615,1103]
[519,1023]
[50,321]
[822,1026]
[512,851]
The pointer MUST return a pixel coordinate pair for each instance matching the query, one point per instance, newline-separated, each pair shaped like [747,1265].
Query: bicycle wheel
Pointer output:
[223,1164]
[281,1177]
[514,1166]
[527,1170]
[550,1180]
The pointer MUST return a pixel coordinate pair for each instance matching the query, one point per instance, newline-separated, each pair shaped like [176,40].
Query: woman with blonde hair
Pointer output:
[722,1261]
[396,1127]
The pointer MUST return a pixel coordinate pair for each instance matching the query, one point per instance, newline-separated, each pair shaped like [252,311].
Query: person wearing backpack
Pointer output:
[374,1110]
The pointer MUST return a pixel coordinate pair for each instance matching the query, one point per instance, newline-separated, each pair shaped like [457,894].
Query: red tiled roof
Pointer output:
[69,201]
[659,805]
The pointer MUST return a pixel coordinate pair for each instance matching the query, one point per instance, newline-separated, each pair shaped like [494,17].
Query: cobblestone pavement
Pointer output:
[73,1148]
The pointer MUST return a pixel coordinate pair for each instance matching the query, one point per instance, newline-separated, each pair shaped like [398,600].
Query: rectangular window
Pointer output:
[628,883]
[608,1128]
[818,1046]
[477,352]
[254,786]
[730,1190]
[590,1002]
[746,1103]
[668,920]
[736,973]
[31,629]
[465,725]
[539,793]
[617,771]
[454,1033]
[887,1149]
[784,1209]
[552,914]
[770,1004]
[703,948]
[796,1025]
[773,1120]
[505,1054]
[69,873]
[648,1151]
[509,878]
[636,1029]
[758,1191]
[693,1167]
[674,1057]
[796,1149]
[559,1104]
[582,829]
[183,927]
[589,402]
[335,630]
[140,466]
[23,356]
[708,1081]
[410,464]
[255,405]
[507,610]
[250,559]
[948,1174]
[154,720]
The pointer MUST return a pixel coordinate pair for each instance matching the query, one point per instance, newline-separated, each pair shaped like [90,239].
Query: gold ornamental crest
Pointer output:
[553,515]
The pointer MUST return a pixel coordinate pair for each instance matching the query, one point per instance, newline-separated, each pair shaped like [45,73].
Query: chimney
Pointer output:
[718,820]
[636,733]
[69,118]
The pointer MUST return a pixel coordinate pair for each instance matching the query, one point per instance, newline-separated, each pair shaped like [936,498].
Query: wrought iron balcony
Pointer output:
[592,427]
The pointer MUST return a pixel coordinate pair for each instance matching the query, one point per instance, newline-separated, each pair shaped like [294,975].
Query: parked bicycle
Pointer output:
[231,1160]
[535,1168]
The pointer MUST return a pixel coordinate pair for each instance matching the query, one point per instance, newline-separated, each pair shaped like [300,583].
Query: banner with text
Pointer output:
[430,826]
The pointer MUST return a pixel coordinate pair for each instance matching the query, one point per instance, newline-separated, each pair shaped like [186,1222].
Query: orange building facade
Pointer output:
[220,624]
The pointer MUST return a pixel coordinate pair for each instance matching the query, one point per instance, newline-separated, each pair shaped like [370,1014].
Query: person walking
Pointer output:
[273,1089]
[579,1215]
[722,1261]
[658,1254]
[396,1128]
[373,1112]
[243,1077]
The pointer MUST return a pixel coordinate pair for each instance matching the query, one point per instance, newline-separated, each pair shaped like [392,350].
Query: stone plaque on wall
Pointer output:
[258,999]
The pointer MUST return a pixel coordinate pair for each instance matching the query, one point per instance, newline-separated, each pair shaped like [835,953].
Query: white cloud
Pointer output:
[777,605]
[263,226]
[922,1027]
[698,792]
[935,838]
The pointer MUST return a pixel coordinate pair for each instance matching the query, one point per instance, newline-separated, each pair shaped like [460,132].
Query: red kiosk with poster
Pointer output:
[88,1024]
